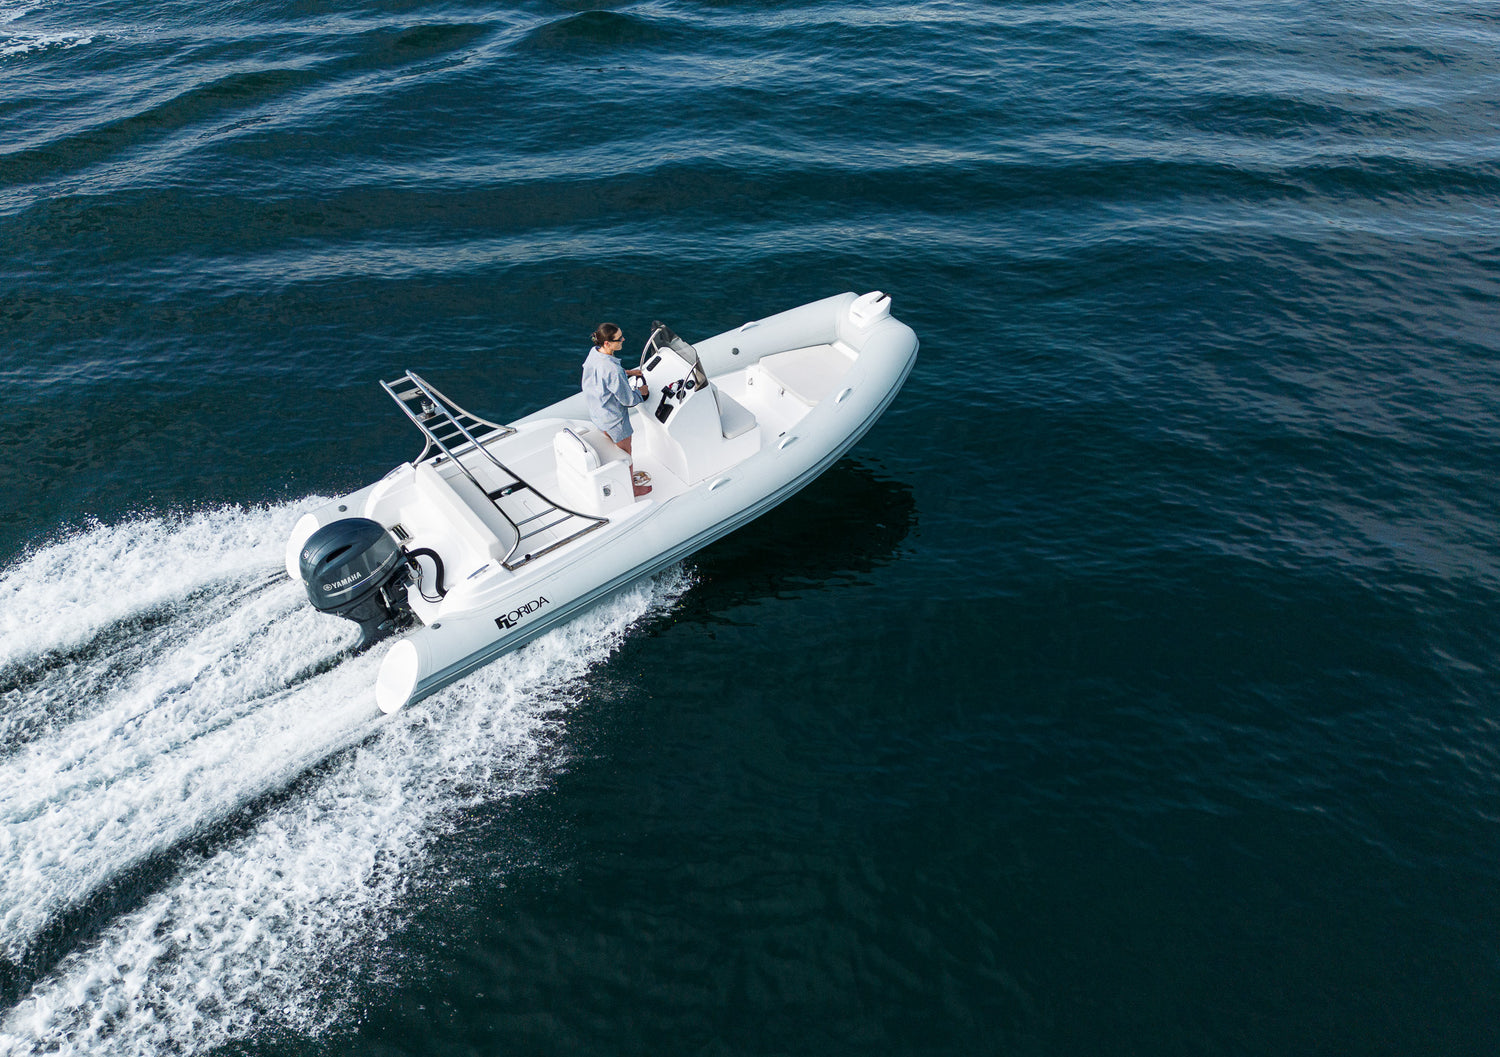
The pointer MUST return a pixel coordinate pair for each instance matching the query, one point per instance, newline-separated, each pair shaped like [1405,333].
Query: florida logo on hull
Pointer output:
[515,616]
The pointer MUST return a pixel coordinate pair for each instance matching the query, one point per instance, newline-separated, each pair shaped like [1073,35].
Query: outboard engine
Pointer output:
[355,569]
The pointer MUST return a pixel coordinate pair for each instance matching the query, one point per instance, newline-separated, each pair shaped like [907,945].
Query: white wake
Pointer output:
[16,37]
[178,721]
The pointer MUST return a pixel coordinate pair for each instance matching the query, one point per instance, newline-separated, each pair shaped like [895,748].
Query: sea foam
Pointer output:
[15,40]
[194,734]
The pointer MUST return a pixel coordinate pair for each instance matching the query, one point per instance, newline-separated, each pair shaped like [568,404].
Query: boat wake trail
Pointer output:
[201,808]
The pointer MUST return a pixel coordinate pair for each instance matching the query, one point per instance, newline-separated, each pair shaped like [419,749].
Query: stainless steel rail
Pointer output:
[455,432]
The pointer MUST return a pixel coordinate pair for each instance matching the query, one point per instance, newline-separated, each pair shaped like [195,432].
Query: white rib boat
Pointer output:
[495,533]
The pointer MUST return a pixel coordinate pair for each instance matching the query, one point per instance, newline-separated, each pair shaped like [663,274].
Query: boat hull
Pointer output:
[874,357]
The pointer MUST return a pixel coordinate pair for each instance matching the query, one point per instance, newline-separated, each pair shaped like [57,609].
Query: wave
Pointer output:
[201,810]
[17,40]
[594,33]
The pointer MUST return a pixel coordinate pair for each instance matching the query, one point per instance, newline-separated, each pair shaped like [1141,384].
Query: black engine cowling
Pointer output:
[355,569]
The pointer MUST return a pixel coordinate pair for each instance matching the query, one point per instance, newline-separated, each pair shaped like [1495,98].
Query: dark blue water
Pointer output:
[1130,689]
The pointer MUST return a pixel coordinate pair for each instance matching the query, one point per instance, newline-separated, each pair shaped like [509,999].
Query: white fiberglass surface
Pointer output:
[190,760]
[776,412]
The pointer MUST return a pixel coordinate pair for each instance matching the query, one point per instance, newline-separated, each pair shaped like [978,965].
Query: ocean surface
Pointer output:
[1129,690]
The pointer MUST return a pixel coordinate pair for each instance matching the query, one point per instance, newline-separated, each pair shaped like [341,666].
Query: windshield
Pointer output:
[662,337]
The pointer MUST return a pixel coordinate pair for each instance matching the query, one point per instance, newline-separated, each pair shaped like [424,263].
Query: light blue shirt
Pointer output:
[608,391]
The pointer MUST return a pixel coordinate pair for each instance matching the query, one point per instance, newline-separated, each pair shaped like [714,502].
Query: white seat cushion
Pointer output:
[808,374]
[734,418]
[607,450]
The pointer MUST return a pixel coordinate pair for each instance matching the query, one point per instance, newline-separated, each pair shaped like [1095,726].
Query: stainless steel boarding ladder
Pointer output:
[452,431]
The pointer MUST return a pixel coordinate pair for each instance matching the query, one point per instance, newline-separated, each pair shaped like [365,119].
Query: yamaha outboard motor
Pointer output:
[355,569]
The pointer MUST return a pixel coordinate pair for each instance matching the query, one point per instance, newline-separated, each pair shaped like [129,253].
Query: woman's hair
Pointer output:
[605,332]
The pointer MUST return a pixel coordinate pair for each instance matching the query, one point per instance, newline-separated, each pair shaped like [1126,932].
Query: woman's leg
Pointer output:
[624,445]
